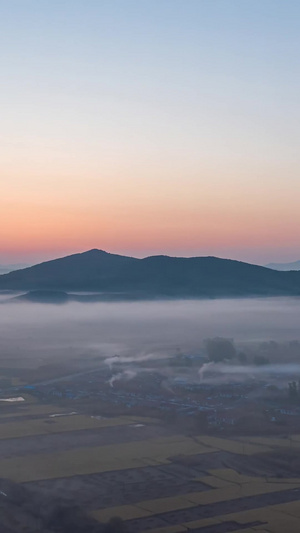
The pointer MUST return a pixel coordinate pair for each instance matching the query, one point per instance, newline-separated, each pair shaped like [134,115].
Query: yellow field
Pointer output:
[24,409]
[234,492]
[126,512]
[291,508]
[203,522]
[164,505]
[225,484]
[274,442]
[275,518]
[282,518]
[98,459]
[146,508]
[212,481]
[234,446]
[231,492]
[19,428]
[228,484]
[227,475]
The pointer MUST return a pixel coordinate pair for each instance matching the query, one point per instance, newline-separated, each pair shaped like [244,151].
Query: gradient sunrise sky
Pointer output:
[150,126]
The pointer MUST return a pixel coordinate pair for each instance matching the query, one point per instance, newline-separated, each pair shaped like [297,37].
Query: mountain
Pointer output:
[157,276]
[284,266]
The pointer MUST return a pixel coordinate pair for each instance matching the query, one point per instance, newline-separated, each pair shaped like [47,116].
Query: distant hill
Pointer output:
[44,296]
[4,269]
[154,277]
[285,266]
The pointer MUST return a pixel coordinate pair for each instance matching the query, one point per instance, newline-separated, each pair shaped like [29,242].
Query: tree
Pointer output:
[293,390]
[260,360]
[218,349]
[242,357]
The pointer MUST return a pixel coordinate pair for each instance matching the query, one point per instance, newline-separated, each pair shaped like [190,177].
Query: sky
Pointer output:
[150,127]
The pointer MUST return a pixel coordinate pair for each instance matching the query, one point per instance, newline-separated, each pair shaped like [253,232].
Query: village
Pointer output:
[252,405]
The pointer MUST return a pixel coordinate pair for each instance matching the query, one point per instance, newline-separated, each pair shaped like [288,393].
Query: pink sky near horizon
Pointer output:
[206,212]
[187,206]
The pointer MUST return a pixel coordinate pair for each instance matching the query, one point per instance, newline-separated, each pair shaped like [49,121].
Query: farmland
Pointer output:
[154,478]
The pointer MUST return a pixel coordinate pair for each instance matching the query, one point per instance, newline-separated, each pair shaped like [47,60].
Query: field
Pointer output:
[156,480]
[45,425]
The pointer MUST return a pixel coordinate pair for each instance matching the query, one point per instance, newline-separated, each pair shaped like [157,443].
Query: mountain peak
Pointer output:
[156,276]
[95,250]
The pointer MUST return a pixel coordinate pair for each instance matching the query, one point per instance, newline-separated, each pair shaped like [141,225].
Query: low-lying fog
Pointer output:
[36,332]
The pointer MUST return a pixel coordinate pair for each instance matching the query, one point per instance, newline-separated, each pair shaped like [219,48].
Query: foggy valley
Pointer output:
[180,376]
[35,332]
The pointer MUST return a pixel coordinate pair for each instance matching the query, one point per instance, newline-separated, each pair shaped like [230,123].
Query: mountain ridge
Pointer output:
[284,267]
[153,276]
